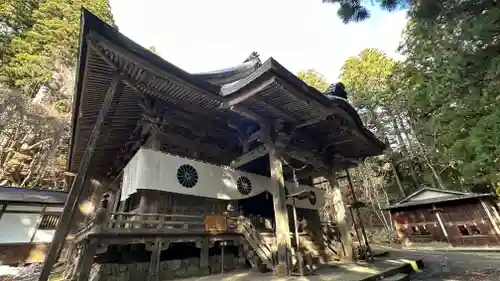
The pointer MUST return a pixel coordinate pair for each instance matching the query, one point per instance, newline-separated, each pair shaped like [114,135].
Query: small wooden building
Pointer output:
[454,218]
[28,219]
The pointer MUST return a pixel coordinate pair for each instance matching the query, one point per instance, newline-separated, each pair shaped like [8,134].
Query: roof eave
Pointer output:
[80,74]
[444,199]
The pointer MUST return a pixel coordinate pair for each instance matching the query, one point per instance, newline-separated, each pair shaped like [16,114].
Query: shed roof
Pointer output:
[200,108]
[10,194]
[428,196]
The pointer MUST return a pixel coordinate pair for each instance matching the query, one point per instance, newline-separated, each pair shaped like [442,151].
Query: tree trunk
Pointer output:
[404,149]
[381,132]
[437,177]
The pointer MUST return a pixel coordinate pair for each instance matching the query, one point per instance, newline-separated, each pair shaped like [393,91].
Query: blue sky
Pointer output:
[203,35]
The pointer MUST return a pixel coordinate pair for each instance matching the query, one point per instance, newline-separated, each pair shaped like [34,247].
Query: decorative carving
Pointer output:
[244,185]
[187,176]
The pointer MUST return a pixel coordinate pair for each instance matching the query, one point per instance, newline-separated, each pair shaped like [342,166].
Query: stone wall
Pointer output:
[168,270]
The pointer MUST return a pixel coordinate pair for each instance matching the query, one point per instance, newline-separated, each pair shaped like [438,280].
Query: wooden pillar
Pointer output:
[154,264]
[2,209]
[441,224]
[75,193]
[91,245]
[76,261]
[241,256]
[490,217]
[87,260]
[341,219]
[358,214]
[204,256]
[283,242]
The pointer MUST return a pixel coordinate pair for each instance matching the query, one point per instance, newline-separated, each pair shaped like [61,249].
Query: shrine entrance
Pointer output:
[259,209]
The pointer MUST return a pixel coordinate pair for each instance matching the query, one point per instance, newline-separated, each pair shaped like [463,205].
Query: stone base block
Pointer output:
[281,270]
[169,269]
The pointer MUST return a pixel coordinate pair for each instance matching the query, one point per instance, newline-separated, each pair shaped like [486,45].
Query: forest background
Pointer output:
[438,109]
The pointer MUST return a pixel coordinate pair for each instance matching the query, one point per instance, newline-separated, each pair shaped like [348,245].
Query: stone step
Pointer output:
[397,277]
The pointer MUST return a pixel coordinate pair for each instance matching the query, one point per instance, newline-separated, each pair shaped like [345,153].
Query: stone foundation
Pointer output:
[169,269]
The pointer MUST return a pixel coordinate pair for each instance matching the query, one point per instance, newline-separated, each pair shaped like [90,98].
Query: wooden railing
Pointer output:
[133,222]
[124,220]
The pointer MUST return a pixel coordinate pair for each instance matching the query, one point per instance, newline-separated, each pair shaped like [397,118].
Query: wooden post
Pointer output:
[100,223]
[490,217]
[440,222]
[441,225]
[283,242]
[341,218]
[356,209]
[154,263]
[76,188]
[2,210]
[204,255]
[87,260]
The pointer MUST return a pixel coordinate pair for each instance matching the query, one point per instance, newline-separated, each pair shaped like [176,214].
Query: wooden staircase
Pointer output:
[258,247]
[257,251]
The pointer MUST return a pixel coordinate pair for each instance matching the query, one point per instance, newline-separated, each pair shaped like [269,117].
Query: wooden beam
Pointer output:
[249,157]
[247,113]
[306,158]
[173,114]
[235,99]
[75,193]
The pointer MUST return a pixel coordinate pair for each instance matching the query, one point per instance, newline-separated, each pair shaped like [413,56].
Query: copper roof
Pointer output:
[195,105]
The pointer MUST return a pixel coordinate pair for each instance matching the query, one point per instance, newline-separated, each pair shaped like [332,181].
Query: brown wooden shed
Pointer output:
[455,218]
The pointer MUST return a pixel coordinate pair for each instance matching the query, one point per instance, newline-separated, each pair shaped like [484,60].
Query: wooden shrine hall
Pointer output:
[172,161]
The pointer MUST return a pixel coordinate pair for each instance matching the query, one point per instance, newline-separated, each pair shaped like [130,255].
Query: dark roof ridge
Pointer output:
[232,74]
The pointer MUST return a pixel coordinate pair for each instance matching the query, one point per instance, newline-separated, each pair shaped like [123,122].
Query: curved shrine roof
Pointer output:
[206,116]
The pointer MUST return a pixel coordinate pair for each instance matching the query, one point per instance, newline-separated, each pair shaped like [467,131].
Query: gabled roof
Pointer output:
[197,121]
[427,196]
[442,192]
[29,195]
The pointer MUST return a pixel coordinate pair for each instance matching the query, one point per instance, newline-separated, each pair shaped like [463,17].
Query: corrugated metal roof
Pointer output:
[28,195]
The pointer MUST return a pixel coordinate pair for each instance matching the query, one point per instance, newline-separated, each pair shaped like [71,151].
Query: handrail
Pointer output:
[153,214]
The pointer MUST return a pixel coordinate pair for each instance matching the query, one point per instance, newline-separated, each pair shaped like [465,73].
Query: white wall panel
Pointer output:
[155,170]
[27,208]
[44,235]
[17,228]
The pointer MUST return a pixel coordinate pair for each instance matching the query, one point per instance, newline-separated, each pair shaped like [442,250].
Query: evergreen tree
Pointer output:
[50,40]
[38,48]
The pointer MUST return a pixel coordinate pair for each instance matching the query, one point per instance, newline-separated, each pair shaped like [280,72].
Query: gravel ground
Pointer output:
[455,266]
